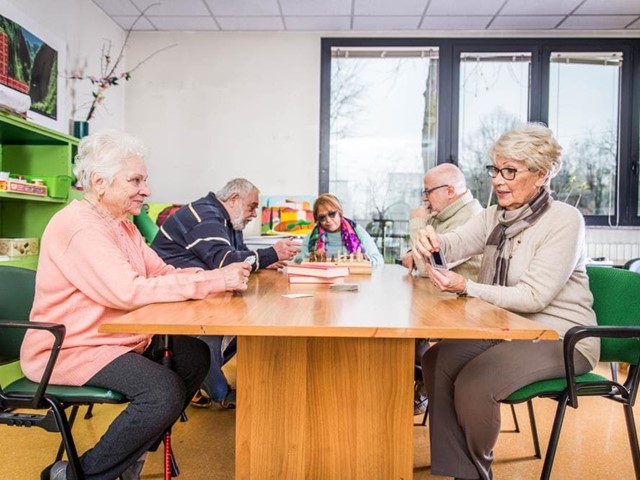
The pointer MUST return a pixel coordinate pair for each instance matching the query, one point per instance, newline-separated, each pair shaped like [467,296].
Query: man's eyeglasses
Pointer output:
[331,214]
[428,191]
[508,173]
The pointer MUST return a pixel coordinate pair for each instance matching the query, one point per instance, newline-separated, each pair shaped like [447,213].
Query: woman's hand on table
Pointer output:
[236,276]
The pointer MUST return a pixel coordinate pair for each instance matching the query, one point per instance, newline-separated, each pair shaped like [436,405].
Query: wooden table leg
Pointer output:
[324,408]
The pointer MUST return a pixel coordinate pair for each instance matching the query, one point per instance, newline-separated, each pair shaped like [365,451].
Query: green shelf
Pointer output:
[34,151]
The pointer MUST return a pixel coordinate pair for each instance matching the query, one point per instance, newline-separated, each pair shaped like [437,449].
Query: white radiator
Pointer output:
[620,252]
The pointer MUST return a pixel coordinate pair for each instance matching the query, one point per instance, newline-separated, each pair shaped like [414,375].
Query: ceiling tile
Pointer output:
[389,7]
[126,21]
[318,23]
[464,7]
[515,22]
[539,7]
[117,7]
[244,7]
[386,22]
[596,22]
[184,23]
[315,7]
[604,7]
[250,23]
[478,22]
[173,7]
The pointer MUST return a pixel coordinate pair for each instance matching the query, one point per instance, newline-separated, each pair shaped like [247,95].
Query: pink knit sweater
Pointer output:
[91,272]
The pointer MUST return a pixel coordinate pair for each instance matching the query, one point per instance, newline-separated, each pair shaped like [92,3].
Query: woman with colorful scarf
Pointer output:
[334,234]
[534,265]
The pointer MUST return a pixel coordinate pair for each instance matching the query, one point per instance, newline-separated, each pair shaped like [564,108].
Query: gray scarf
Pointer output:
[496,255]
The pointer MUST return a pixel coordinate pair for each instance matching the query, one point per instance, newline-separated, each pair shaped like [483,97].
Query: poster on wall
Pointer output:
[287,214]
[31,63]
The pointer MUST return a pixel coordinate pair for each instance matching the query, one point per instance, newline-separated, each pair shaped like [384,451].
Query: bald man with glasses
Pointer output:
[447,203]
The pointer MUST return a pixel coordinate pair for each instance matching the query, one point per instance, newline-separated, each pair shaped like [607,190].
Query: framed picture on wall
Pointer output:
[32,65]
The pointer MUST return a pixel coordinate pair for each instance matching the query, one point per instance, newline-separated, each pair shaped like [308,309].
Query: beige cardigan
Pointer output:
[547,280]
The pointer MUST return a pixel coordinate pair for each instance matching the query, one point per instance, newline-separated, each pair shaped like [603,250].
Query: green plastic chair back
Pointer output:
[17,286]
[616,301]
[146,225]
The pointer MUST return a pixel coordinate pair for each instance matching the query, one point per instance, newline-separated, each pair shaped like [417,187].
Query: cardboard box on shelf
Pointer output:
[20,186]
[18,247]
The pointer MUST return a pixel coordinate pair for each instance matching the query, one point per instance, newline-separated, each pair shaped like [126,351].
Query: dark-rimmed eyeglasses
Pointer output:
[428,191]
[508,173]
[331,214]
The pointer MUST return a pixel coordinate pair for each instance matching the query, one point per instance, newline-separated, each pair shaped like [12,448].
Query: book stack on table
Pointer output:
[317,273]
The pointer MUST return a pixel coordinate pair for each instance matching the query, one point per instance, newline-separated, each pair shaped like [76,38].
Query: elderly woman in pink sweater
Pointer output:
[94,266]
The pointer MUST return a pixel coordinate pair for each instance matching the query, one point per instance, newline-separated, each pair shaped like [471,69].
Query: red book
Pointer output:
[318,270]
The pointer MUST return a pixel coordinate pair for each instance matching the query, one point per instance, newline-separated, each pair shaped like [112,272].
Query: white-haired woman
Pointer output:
[533,264]
[95,266]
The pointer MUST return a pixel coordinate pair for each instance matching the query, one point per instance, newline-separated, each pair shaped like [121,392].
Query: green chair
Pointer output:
[616,294]
[146,225]
[16,392]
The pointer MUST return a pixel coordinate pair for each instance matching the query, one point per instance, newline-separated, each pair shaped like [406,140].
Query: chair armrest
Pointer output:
[575,334]
[58,332]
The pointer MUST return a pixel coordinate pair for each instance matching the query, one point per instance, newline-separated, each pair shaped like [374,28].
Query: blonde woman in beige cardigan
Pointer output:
[533,264]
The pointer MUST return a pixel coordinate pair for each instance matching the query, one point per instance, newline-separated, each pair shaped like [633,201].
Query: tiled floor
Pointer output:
[593,445]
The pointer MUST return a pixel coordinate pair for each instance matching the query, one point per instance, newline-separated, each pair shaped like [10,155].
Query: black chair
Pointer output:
[49,401]
[18,393]
[617,307]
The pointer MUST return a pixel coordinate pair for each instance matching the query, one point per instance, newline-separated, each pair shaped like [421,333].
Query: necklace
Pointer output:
[104,215]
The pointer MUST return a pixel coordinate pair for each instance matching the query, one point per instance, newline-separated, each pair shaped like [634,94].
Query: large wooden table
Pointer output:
[325,383]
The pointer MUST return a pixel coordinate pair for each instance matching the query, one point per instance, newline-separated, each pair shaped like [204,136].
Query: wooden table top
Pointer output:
[390,303]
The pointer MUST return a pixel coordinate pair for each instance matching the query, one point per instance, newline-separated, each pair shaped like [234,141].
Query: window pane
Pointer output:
[494,97]
[383,131]
[583,113]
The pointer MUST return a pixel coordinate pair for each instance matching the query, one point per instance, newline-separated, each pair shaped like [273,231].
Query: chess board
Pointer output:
[356,267]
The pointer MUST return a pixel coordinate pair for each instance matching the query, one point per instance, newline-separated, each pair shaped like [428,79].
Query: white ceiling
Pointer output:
[375,15]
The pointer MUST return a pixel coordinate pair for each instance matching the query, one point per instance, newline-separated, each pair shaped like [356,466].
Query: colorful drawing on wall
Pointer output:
[287,214]
[30,66]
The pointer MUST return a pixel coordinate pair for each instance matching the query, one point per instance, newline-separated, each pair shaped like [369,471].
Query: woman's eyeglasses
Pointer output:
[508,173]
[331,214]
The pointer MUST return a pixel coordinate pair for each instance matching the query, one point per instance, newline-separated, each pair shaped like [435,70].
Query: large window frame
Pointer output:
[626,211]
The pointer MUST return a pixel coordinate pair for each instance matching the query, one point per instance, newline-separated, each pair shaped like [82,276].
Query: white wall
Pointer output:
[223,105]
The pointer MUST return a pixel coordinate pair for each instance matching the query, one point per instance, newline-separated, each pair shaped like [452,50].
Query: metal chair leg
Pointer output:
[89,412]
[67,439]
[534,430]
[633,438]
[72,418]
[515,418]
[554,437]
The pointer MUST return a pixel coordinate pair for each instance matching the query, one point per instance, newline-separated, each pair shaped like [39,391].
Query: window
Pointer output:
[383,136]
[584,92]
[392,108]
[494,96]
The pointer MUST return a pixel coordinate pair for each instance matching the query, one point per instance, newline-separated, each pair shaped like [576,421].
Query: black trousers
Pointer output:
[157,396]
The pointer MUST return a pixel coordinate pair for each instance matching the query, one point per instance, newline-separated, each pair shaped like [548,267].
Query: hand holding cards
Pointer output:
[437,261]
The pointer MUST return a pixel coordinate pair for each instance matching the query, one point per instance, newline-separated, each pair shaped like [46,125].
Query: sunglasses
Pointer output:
[331,214]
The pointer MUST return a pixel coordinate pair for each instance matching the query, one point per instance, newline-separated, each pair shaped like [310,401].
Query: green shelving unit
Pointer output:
[34,151]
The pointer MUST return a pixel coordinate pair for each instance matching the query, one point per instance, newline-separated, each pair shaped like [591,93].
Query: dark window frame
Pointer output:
[449,68]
